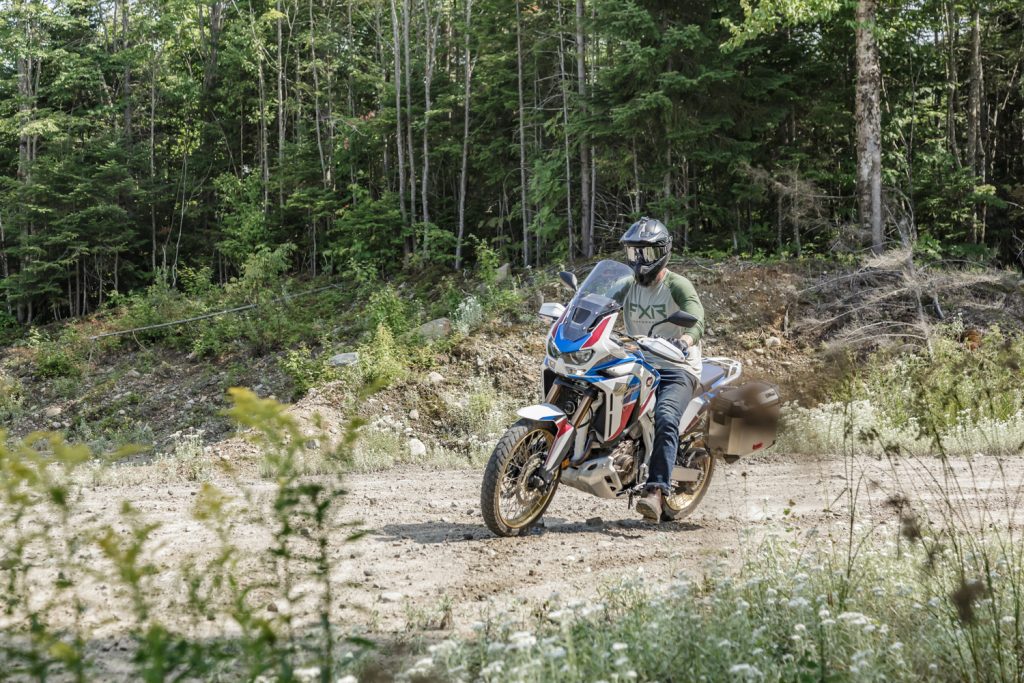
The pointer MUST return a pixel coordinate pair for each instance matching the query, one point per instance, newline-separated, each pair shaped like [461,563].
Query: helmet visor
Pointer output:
[644,254]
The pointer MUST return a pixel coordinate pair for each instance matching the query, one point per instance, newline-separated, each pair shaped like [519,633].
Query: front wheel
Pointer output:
[509,503]
[686,496]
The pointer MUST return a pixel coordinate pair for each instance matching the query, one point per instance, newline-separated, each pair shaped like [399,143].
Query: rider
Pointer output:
[652,295]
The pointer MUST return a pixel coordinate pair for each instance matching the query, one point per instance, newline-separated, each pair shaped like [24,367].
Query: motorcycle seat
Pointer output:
[709,374]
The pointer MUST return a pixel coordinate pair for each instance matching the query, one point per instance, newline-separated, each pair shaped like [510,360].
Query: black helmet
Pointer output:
[648,245]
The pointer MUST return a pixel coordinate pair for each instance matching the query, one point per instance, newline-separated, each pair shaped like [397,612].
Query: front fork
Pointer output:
[565,434]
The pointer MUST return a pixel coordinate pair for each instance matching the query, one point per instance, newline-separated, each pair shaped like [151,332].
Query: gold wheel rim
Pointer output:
[679,500]
[517,505]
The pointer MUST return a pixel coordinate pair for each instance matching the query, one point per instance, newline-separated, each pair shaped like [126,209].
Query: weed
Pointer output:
[306,371]
[115,568]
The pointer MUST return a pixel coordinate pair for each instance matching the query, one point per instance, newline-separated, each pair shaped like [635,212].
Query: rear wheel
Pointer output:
[686,496]
[509,503]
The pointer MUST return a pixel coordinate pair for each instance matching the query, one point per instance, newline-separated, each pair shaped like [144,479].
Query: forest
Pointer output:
[147,140]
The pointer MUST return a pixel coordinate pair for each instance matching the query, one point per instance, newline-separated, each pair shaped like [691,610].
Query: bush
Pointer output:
[958,385]
[56,358]
[306,371]
[382,361]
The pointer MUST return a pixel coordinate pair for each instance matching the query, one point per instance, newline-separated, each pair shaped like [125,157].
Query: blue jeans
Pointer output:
[674,393]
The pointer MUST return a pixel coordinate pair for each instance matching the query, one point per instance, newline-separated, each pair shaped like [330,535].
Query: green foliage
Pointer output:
[243,219]
[56,358]
[307,371]
[386,307]
[731,121]
[382,360]
[43,513]
[962,383]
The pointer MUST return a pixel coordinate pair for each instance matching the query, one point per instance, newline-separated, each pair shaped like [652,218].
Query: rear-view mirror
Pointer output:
[569,280]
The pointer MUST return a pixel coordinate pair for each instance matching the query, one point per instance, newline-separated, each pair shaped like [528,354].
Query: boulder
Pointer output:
[435,329]
[435,377]
[417,448]
[772,342]
[342,359]
[503,273]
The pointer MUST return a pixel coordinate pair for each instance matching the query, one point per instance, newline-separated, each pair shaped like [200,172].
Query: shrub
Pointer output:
[382,361]
[306,371]
[56,358]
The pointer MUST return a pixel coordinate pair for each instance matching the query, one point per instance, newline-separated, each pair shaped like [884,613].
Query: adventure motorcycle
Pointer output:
[595,429]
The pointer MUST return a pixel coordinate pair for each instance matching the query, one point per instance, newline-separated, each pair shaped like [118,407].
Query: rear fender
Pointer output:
[564,431]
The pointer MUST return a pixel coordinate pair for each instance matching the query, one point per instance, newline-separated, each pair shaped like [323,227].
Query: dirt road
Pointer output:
[428,563]
[431,550]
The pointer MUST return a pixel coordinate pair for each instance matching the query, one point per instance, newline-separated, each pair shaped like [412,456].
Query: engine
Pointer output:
[605,476]
[625,460]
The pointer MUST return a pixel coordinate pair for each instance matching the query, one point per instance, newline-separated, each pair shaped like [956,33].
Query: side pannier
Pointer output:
[743,420]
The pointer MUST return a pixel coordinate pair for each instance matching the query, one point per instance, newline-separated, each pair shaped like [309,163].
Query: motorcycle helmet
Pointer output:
[648,245]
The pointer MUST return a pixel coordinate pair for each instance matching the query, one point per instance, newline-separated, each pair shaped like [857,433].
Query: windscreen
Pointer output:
[597,296]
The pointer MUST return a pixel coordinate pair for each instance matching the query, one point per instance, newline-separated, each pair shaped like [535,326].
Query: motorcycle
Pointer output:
[595,429]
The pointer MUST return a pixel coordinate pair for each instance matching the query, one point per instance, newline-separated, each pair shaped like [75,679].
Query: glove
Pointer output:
[680,344]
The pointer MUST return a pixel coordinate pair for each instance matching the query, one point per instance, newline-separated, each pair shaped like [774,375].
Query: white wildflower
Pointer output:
[444,648]
[799,603]
[1008,619]
[556,653]
[521,640]
[619,647]
[853,618]
[747,671]
[493,669]
[896,647]
[621,661]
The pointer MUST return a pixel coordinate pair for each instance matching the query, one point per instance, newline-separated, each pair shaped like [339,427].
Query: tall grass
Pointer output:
[963,396]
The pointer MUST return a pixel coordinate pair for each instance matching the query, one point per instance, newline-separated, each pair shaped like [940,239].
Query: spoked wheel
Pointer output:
[509,502]
[686,496]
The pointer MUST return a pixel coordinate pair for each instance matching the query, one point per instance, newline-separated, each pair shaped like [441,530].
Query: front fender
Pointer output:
[564,431]
[542,412]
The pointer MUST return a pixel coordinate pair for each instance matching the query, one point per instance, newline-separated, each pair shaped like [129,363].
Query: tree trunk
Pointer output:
[523,210]
[975,149]
[152,169]
[398,124]
[564,83]
[586,220]
[280,104]
[467,84]
[430,37]
[868,118]
[406,11]
[952,32]
[127,75]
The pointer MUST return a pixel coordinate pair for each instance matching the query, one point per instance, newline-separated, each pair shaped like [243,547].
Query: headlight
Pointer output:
[579,357]
[552,349]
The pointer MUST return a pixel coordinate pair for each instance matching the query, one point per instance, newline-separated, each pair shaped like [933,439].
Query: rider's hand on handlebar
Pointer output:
[680,344]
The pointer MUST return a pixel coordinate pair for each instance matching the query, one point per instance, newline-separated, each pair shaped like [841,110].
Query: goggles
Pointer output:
[644,254]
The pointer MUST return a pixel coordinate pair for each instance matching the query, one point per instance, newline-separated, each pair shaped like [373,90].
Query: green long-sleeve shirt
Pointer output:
[644,306]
